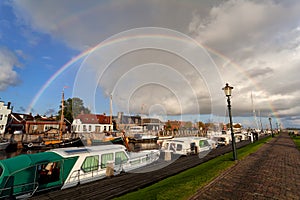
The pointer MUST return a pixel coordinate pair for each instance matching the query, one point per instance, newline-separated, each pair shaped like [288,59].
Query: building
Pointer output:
[26,123]
[5,111]
[172,125]
[152,124]
[17,122]
[124,122]
[88,123]
[43,126]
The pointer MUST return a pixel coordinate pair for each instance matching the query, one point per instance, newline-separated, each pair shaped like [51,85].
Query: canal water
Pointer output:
[4,154]
[135,147]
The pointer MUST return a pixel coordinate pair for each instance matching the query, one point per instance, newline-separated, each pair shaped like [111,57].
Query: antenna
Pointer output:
[62,114]
[254,112]
[261,126]
[110,111]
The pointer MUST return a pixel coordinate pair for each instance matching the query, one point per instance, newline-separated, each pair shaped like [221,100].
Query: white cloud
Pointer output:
[262,40]
[8,76]
[255,44]
[82,24]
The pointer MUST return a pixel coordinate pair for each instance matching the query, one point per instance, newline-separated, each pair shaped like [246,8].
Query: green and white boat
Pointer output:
[61,168]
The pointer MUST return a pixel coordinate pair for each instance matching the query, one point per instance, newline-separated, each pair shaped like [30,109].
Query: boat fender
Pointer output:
[30,144]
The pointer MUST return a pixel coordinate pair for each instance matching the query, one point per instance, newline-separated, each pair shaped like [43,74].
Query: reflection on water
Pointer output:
[143,146]
[4,154]
[134,147]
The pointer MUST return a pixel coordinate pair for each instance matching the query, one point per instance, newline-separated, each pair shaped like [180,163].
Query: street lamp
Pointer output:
[227,89]
[270,119]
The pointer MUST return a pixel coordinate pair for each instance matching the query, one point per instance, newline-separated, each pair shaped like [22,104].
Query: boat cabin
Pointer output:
[182,146]
[222,139]
[202,144]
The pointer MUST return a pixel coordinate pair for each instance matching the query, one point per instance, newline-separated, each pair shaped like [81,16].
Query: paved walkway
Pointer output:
[273,172]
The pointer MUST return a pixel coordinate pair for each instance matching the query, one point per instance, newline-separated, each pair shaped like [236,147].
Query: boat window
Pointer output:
[206,143]
[172,146]
[135,162]
[91,163]
[120,158]
[192,146]
[203,143]
[179,147]
[105,158]
[48,172]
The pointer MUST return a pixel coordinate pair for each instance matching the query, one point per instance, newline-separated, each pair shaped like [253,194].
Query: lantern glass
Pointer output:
[227,90]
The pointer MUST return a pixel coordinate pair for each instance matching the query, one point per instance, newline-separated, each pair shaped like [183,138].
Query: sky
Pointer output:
[162,58]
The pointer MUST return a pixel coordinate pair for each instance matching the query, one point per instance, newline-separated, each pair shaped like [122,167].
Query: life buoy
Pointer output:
[30,145]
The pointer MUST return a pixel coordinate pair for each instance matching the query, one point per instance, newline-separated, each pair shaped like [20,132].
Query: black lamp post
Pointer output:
[270,119]
[227,89]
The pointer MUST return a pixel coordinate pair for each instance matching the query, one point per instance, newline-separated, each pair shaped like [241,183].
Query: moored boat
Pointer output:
[180,145]
[42,144]
[108,140]
[137,134]
[143,138]
[56,141]
[61,168]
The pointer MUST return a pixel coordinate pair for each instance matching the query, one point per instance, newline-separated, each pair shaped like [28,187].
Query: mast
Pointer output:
[110,120]
[261,126]
[254,113]
[62,115]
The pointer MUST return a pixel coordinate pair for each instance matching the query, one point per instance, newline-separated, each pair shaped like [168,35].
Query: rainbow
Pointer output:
[51,79]
[114,40]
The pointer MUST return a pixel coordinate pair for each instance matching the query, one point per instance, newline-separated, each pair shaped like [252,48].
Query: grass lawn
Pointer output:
[185,184]
[296,139]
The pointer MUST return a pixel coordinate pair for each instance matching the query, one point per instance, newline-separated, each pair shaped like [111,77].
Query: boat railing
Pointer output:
[77,177]
[143,159]
[26,189]
[74,176]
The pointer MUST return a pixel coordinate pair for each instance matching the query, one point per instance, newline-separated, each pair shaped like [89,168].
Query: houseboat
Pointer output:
[27,174]
[202,144]
[187,145]
[222,140]
[137,134]
[181,146]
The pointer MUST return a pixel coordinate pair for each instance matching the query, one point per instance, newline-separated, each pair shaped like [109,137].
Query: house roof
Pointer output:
[129,119]
[19,118]
[151,121]
[93,119]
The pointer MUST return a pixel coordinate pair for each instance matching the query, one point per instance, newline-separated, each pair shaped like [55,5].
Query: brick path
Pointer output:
[273,172]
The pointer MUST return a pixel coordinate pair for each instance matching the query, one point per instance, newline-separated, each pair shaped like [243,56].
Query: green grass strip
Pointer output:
[186,184]
[296,139]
